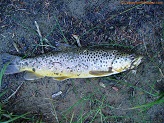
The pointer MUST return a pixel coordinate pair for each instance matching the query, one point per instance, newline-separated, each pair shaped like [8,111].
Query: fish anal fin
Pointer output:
[62,78]
[32,76]
[100,73]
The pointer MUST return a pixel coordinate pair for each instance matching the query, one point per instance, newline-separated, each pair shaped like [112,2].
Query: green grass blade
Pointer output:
[2,73]
[15,118]
[64,38]
[158,101]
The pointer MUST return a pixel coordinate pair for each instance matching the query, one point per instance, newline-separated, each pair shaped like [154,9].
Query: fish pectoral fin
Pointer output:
[61,78]
[100,73]
[32,76]
[119,70]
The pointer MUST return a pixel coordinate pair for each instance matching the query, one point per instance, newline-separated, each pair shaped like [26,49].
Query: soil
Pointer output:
[139,28]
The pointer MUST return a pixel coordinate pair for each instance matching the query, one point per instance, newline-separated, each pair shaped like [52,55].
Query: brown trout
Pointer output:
[75,63]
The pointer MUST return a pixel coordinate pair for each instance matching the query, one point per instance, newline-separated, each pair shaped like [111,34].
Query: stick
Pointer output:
[77,40]
[40,35]
[14,92]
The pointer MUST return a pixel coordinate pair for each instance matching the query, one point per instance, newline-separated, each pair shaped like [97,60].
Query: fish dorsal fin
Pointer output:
[64,46]
[62,78]
[32,76]
[100,73]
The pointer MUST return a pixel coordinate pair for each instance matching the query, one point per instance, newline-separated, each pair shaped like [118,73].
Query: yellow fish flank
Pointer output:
[75,63]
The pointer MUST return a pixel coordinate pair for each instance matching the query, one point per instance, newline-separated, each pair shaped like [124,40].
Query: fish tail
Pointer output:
[10,63]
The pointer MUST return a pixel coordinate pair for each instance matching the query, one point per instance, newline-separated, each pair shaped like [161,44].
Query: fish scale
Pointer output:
[75,63]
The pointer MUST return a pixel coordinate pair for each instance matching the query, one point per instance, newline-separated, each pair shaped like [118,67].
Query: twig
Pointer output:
[40,35]
[38,30]
[161,72]
[14,92]
[145,46]
[16,47]
[77,40]
[56,94]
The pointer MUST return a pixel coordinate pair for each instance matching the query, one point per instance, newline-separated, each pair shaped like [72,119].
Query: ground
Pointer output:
[117,98]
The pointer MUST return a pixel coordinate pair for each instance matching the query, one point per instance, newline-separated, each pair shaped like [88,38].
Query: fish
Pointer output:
[72,63]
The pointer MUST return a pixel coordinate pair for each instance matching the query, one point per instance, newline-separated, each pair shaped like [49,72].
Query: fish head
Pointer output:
[125,62]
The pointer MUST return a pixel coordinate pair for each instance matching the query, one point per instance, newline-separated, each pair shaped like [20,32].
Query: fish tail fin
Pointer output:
[10,63]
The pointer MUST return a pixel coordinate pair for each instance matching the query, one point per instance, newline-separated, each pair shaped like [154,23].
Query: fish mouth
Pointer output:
[136,61]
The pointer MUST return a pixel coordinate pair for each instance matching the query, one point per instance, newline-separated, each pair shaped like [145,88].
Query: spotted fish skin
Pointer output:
[78,63]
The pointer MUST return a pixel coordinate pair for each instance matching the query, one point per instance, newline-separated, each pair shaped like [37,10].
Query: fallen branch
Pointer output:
[13,92]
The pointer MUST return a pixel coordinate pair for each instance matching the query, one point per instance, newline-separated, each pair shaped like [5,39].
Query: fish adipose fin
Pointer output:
[32,76]
[100,73]
[11,63]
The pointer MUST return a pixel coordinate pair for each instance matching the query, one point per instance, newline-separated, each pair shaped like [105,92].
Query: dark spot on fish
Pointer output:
[33,69]
[17,62]
[26,63]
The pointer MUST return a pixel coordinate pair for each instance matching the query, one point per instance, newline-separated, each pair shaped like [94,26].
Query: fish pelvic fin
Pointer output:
[10,63]
[32,76]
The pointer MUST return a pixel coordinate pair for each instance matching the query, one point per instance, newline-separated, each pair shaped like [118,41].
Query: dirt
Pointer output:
[139,28]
